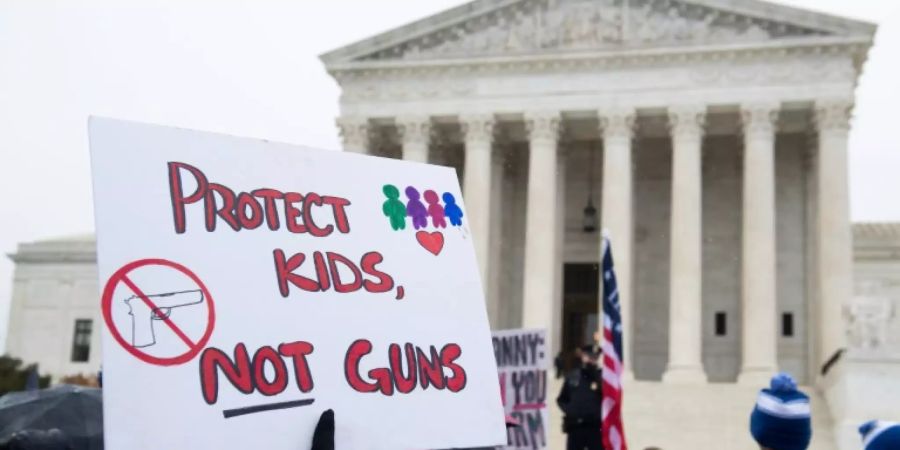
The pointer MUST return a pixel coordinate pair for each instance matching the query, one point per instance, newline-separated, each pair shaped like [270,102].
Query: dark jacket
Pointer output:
[580,398]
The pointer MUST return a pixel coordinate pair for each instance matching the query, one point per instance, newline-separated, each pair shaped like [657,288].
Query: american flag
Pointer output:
[613,360]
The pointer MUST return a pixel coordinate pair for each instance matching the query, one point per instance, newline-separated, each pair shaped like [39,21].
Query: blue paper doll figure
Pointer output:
[393,207]
[415,209]
[435,210]
[452,210]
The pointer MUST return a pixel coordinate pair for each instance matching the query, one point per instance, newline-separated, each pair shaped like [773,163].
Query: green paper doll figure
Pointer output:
[393,208]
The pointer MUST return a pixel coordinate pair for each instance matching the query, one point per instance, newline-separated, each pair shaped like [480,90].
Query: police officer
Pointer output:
[581,401]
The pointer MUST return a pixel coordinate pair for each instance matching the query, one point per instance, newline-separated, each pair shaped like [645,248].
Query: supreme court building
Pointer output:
[709,137]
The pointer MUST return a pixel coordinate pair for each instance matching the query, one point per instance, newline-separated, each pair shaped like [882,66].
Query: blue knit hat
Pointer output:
[880,435]
[780,420]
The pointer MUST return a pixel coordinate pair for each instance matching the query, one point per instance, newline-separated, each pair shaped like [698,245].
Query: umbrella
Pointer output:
[76,411]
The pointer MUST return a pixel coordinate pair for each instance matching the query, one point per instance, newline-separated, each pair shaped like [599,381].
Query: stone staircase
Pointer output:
[713,416]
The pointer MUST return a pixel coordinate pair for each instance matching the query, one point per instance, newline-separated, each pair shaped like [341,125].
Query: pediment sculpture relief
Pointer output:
[533,26]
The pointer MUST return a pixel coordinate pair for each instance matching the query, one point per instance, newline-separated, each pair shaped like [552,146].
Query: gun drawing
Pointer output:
[143,316]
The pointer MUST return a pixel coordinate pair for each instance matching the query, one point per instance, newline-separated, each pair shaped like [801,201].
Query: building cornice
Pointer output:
[877,230]
[839,26]
[876,241]
[855,47]
[82,250]
[53,258]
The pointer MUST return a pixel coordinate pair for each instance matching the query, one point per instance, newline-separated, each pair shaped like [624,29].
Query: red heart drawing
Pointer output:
[433,242]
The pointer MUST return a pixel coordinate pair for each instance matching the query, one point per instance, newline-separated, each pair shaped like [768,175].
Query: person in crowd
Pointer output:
[581,402]
[596,344]
[880,435]
[558,365]
[781,418]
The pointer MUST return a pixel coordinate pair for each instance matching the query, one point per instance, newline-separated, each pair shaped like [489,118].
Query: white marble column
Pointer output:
[415,135]
[498,307]
[759,306]
[835,236]
[559,257]
[540,222]
[617,129]
[355,134]
[478,132]
[685,268]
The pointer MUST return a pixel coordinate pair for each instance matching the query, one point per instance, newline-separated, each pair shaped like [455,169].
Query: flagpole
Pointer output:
[612,428]
[604,243]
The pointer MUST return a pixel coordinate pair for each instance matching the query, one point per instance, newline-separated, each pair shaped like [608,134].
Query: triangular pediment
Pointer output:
[486,28]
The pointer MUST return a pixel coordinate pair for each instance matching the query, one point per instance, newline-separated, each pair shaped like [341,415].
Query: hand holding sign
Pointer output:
[323,436]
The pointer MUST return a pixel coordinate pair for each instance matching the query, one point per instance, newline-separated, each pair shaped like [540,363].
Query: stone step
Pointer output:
[709,416]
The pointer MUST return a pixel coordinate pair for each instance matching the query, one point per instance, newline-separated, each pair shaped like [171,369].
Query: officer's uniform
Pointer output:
[581,401]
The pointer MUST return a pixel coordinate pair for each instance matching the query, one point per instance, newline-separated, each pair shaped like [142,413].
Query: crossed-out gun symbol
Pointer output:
[143,315]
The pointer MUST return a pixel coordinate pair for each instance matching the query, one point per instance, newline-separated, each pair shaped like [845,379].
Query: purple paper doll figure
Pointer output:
[435,210]
[415,209]
[453,212]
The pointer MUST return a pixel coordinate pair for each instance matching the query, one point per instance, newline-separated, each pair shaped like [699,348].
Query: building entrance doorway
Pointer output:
[581,294]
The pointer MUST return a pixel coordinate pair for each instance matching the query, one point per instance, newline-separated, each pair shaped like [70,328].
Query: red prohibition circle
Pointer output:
[106,305]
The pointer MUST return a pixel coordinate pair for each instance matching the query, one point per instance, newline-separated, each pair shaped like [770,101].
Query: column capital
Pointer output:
[355,132]
[543,125]
[414,129]
[833,115]
[617,123]
[759,119]
[687,121]
[478,127]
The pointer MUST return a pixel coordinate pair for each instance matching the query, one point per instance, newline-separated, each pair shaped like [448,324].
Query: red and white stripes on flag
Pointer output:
[613,360]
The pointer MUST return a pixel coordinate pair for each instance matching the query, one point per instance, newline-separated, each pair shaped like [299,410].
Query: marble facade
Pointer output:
[711,135]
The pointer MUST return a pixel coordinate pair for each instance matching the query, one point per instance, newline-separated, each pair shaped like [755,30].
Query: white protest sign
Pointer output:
[522,363]
[249,285]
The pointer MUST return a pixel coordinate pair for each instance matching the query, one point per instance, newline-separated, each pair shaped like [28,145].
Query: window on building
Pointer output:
[787,324]
[81,341]
[721,324]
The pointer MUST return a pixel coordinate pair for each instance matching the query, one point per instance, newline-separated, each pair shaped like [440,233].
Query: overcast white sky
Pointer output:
[251,69]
